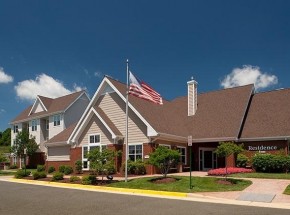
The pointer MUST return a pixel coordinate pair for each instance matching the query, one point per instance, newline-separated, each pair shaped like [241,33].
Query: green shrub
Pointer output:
[68,170]
[61,168]
[40,168]
[36,175]
[136,167]
[57,176]
[21,173]
[78,166]
[74,178]
[89,179]
[110,169]
[14,166]
[271,163]
[242,160]
[51,169]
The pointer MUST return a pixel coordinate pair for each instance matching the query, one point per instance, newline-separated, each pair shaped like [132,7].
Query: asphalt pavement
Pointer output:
[28,199]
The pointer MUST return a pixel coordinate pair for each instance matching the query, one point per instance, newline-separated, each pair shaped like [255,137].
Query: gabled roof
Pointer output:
[108,122]
[219,114]
[62,137]
[56,105]
[268,116]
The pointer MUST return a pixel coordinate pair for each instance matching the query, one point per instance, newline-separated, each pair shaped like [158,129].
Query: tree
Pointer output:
[101,162]
[24,142]
[3,158]
[164,158]
[226,149]
[5,138]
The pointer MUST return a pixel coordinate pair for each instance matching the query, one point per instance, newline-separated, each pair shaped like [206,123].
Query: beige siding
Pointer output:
[114,107]
[95,126]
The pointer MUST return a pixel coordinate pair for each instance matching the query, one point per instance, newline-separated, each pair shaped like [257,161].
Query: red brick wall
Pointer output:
[75,154]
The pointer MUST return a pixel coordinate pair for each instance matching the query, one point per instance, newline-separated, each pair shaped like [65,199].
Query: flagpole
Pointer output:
[126,139]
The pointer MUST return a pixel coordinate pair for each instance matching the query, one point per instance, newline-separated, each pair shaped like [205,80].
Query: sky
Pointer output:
[53,48]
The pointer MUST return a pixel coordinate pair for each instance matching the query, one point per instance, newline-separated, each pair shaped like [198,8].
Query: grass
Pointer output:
[3,173]
[262,175]
[200,184]
[287,190]
[4,149]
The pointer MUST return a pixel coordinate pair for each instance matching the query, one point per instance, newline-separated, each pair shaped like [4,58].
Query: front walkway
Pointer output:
[274,187]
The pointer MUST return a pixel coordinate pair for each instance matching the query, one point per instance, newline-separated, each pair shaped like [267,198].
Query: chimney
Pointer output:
[192,97]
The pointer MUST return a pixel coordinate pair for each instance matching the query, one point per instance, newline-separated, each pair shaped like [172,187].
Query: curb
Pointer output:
[101,188]
[152,193]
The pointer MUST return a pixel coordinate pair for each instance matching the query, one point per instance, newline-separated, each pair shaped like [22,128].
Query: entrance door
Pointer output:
[207,159]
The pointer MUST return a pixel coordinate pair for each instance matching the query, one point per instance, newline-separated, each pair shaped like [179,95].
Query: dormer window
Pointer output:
[56,120]
[34,125]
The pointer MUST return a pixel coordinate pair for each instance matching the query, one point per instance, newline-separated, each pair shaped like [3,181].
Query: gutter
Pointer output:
[37,117]
[264,138]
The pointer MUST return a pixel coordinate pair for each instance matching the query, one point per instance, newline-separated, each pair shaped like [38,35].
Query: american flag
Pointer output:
[142,90]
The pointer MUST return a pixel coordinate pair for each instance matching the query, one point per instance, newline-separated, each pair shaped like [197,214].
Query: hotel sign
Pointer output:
[262,148]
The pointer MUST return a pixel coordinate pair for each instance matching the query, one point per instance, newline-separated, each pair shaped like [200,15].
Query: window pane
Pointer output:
[97,138]
[132,157]
[104,147]
[138,157]
[92,140]
[94,148]
[85,164]
[85,152]
[131,149]
[139,149]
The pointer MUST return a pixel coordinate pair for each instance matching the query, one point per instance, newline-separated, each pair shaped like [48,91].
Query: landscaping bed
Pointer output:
[181,184]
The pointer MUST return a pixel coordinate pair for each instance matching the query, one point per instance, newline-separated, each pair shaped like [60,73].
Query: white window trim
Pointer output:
[54,117]
[99,144]
[135,144]
[89,136]
[34,126]
[183,147]
[15,129]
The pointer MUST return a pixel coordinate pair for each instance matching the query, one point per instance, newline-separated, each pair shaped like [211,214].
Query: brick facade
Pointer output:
[75,154]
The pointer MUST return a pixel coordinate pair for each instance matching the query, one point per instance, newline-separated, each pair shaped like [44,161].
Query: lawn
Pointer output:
[262,175]
[2,173]
[200,184]
[4,149]
[287,190]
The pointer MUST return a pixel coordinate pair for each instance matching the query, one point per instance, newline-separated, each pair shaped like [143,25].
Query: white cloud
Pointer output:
[2,111]
[42,85]
[249,75]
[4,78]
[98,74]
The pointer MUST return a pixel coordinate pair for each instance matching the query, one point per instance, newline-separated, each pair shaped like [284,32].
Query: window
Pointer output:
[34,125]
[15,129]
[94,138]
[94,143]
[182,151]
[56,120]
[47,124]
[135,152]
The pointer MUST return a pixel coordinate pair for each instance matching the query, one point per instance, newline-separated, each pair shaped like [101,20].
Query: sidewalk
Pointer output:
[273,187]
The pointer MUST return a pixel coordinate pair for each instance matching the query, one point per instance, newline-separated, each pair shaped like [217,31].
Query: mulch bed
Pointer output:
[163,180]
[222,181]
[66,180]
